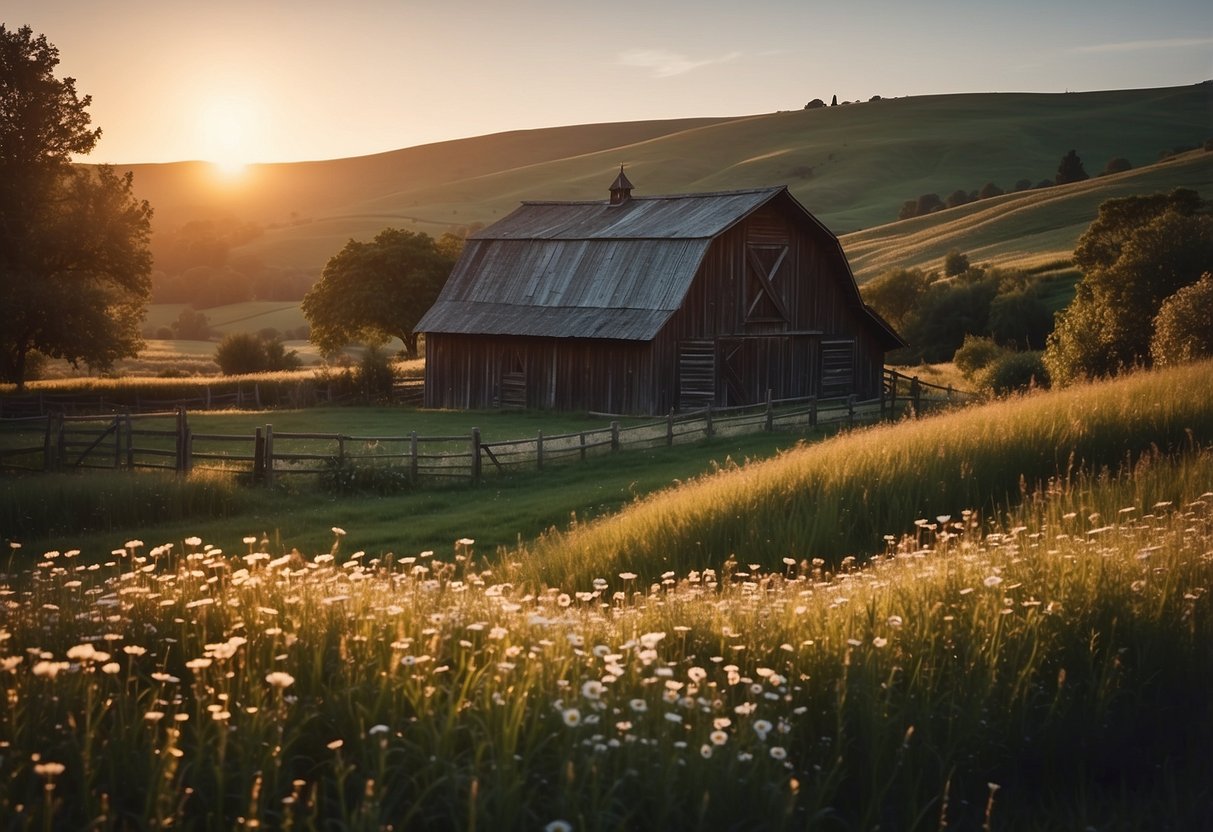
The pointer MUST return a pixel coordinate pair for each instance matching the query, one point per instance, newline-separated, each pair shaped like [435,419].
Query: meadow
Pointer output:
[1016,642]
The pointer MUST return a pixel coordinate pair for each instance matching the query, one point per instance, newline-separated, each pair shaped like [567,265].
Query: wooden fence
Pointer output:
[165,440]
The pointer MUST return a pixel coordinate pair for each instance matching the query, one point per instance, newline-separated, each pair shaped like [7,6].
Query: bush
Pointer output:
[240,353]
[955,263]
[1183,329]
[1020,319]
[1117,165]
[376,376]
[989,190]
[192,325]
[1015,372]
[976,353]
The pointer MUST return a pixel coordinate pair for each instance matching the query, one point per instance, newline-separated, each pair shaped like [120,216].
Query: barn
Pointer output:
[641,305]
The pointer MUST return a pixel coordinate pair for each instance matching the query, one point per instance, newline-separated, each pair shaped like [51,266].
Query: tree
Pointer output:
[989,190]
[1183,329]
[240,353]
[834,101]
[814,104]
[1070,169]
[1118,164]
[954,263]
[374,291]
[895,294]
[192,325]
[74,260]
[1129,271]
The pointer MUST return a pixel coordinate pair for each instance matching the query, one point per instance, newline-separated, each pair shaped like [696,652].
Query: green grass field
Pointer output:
[1018,657]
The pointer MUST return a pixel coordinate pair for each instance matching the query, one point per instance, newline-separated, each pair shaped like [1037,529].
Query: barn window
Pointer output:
[764,301]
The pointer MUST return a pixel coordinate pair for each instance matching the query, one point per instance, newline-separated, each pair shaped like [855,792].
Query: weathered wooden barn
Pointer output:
[639,305]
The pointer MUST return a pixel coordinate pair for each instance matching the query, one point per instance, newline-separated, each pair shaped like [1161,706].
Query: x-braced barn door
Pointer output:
[696,374]
[764,300]
[513,380]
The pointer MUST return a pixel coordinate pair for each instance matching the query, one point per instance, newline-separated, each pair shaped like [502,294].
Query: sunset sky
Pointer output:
[263,80]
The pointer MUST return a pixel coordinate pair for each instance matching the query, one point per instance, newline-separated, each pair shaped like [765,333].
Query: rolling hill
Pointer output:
[853,166]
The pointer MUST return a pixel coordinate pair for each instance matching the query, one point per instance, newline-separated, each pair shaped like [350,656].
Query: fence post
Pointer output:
[669,429]
[949,394]
[614,436]
[179,462]
[539,451]
[340,450]
[475,455]
[188,452]
[770,421]
[916,394]
[257,394]
[851,409]
[208,397]
[707,426]
[49,457]
[117,441]
[413,456]
[812,411]
[893,398]
[130,443]
[582,438]
[269,454]
[258,456]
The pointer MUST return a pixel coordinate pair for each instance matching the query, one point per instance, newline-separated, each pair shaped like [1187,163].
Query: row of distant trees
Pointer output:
[1070,169]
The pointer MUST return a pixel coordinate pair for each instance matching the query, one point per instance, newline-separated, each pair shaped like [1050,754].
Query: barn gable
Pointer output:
[615,305]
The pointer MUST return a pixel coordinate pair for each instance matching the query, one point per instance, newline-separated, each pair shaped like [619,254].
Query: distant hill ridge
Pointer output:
[852,166]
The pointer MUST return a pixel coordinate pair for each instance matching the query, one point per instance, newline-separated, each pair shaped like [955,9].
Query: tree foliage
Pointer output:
[1183,329]
[240,353]
[1138,252]
[895,294]
[1070,169]
[371,292]
[74,260]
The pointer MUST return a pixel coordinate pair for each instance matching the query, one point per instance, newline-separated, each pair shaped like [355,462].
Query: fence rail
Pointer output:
[164,440]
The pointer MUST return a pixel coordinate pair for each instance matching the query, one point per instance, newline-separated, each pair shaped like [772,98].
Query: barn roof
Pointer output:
[590,269]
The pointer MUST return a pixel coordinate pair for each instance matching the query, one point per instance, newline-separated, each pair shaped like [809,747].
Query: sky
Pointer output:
[270,81]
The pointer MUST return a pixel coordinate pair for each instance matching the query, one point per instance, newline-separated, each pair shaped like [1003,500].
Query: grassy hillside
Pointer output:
[840,497]
[1031,229]
[851,165]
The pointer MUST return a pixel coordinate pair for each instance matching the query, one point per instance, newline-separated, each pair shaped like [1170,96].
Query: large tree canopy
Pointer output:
[74,260]
[1138,252]
[374,291]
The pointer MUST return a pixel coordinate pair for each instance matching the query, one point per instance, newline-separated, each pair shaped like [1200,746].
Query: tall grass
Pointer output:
[841,497]
[1037,674]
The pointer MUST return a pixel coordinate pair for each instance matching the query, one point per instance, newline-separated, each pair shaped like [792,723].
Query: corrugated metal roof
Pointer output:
[655,217]
[623,289]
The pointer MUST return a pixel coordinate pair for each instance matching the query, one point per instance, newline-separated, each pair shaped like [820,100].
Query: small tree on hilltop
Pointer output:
[1070,169]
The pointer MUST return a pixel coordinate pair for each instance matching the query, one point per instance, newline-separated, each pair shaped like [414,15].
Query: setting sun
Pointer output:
[228,126]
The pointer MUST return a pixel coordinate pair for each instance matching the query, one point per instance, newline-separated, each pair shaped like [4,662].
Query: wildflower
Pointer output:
[110,668]
[762,727]
[705,751]
[879,642]
[87,653]
[154,716]
[337,530]
[638,706]
[49,669]
[571,717]
[280,679]
[558,826]
[992,581]
[335,744]
[49,769]
[378,729]
[778,752]
[592,689]
[627,576]
[718,737]
[198,664]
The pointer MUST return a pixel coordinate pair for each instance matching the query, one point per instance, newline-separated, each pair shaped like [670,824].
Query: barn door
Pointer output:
[837,367]
[765,306]
[696,374]
[513,380]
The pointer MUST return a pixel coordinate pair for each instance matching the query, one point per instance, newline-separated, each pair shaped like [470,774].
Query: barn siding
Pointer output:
[753,356]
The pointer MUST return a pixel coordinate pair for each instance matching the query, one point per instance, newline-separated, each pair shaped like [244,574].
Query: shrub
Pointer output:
[1015,372]
[1020,319]
[1117,165]
[955,263]
[163,333]
[1070,169]
[192,325]
[240,353]
[376,375]
[989,190]
[976,353]
[1183,329]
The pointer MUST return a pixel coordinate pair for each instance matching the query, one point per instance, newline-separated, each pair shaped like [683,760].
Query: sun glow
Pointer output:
[229,129]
